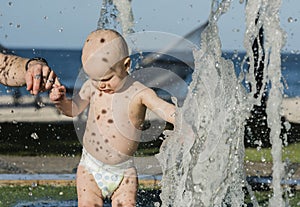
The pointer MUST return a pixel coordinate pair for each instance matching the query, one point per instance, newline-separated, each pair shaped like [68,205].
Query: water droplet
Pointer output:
[290,19]
[10,3]
[61,29]
[156,204]
[40,104]
[34,136]
[197,188]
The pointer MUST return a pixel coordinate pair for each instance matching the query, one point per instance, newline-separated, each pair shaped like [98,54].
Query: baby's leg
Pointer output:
[125,195]
[88,192]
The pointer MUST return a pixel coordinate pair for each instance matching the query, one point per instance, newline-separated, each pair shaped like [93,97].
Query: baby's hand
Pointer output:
[57,93]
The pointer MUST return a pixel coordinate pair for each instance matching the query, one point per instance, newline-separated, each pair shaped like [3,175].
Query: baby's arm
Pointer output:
[162,108]
[67,106]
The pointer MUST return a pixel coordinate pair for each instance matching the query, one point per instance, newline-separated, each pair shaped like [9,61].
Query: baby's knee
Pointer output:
[89,204]
[124,203]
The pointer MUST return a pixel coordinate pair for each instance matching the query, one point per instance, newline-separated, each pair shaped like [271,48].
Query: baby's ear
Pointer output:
[127,62]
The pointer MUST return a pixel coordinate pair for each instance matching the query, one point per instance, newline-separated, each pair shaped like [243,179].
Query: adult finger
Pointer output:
[46,71]
[52,80]
[37,78]
[29,79]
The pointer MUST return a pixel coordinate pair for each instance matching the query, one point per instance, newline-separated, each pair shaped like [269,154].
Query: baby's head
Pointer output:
[102,50]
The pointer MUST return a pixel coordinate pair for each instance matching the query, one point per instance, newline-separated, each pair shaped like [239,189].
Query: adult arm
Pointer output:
[38,76]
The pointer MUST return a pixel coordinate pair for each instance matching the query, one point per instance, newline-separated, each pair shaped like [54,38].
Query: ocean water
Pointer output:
[67,64]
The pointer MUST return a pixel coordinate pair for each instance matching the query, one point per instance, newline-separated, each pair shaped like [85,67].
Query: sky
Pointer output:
[66,23]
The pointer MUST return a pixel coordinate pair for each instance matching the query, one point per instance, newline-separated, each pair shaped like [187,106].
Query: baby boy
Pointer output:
[117,106]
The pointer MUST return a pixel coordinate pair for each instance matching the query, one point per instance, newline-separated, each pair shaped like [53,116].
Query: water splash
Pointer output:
[108,16]
[117,15]
[265,14]
[125,15]
[207,169]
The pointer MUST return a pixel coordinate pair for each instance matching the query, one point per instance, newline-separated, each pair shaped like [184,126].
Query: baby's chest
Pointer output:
[117,109]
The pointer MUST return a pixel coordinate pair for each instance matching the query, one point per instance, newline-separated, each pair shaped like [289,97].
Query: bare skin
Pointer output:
[13,73]
[117,107]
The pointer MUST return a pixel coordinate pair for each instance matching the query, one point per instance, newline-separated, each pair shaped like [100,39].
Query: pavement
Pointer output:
[61,170]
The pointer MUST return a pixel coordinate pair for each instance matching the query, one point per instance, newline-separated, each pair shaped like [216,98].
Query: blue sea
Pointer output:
[67,64]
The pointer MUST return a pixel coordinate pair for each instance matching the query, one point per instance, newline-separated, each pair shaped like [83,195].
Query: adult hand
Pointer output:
[39,77]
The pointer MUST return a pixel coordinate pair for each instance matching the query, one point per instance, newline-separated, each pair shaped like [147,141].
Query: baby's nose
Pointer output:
[102,85]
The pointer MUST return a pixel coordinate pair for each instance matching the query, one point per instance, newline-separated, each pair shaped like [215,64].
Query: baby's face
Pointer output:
[113,80]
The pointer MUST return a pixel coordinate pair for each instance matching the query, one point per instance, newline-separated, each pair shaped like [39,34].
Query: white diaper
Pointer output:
[107,177]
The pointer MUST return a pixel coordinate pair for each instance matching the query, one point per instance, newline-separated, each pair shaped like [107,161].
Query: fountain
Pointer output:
[209,170]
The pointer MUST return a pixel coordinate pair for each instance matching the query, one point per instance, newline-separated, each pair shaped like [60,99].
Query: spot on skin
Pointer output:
[98,117]
[106,140]
[100,94]
[110,121]
[98,142]
[103,111]
[113,136]
[102,40]
[126,181]
[93,134]
[93,93]
[104,60]
[101,147]
[87,40]
[97,150]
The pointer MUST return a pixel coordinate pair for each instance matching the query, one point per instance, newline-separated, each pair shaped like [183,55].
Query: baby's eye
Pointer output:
[106,79]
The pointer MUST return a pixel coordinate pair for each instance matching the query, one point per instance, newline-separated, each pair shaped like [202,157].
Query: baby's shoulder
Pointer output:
[140,87]
[86,89]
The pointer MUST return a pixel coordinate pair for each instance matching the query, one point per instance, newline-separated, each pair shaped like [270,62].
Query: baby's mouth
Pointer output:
[109,91]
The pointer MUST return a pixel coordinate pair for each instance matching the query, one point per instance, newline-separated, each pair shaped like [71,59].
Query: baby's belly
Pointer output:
[111,150]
